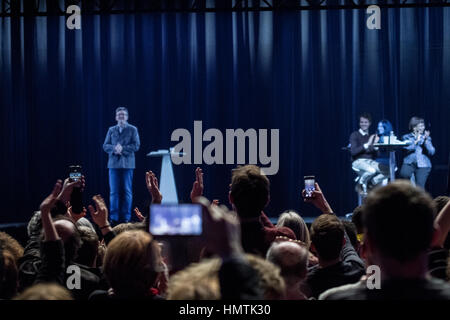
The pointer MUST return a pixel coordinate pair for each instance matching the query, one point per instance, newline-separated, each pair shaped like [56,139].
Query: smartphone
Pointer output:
[76,198]
[309,185]
[175,220]
[75,173]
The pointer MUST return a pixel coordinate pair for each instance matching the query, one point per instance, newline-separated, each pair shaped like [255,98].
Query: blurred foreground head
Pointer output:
[45,291]
[132,263]
[200,281]
[398,219]
[249,191]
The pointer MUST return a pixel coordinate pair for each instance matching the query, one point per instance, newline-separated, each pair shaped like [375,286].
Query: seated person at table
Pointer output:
[363,154]
[384,128]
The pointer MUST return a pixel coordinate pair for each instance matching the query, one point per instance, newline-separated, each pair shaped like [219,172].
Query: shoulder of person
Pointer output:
[352,293]
[435,284]
[408,135]
[326,294]
[99,295]
[130,126]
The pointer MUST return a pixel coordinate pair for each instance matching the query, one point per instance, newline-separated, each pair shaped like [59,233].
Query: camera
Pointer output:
[309,185]
[176,220]
[76,198]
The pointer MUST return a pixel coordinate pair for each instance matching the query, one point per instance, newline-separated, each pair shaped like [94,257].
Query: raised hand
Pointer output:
[68,186]
[138,214]
[152,187]
[197,187]
[100,213]
[51,199]
[50,233]
[317,199]
[427,134]
[222,232]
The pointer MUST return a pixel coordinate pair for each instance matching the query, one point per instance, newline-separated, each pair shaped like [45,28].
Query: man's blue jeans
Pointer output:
[121,194]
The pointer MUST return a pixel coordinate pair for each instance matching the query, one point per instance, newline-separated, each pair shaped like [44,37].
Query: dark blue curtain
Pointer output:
[307,73]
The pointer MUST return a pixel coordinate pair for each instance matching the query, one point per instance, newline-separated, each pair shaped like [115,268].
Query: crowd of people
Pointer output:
[395,247]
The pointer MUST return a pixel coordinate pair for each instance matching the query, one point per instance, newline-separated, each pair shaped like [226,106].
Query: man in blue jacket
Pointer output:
[121,142]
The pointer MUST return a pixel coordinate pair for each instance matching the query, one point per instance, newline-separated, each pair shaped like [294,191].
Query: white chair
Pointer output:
[358,177]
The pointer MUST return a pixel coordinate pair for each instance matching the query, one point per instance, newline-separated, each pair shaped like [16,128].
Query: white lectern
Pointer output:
[167,179]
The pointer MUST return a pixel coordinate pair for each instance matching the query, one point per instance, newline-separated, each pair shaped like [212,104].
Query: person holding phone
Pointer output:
[419,150]
[364,153]
[121,142]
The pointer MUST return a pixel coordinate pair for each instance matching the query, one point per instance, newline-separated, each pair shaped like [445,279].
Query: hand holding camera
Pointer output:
[316,197]
[68,186]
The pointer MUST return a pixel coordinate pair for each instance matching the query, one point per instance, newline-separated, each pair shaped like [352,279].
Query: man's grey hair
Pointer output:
[122,109]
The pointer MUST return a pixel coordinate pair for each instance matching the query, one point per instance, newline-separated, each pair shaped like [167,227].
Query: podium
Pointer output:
[167,184]
[391,147]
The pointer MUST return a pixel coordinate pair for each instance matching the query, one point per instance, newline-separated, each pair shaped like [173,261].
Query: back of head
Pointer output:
[128,226]
[132,263]
[295,222]
[45,291]
[249,190]
[12,245]
[68,231]
[399,220]
[271,281]
[200,281]
[440,202]
[87,253]
[8,275]
[290,257]
[357,219]
[327,234]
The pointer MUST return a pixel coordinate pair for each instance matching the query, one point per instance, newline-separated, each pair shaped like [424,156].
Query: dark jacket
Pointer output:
[44,261]
[50,266]
[399,289]
[128,139]
[349,270]
[357,150]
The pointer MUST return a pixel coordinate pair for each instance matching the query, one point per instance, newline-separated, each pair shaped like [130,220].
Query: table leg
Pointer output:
[392,165]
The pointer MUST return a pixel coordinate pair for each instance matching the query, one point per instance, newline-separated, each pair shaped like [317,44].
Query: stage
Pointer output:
[293,81]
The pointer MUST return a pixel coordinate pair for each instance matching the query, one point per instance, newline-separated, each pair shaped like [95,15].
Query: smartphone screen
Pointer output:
[309,185]
[75,176]
[75,172]
[76,197]
[173,220]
